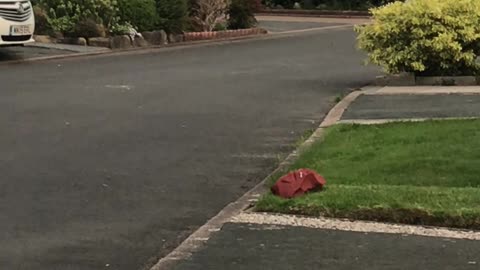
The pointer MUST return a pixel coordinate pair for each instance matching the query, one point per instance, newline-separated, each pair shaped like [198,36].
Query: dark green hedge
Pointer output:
[328,4]
[142,14]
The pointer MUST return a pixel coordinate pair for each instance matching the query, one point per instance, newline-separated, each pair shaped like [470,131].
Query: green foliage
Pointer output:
[65,15]
[329,4]
[173,15]
[241,14]
[220,26]
[121,29]
[141,14]
[427,37]
[42,27]
[88,28]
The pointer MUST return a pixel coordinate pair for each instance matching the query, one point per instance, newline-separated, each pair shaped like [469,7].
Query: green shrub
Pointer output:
[141,14]
[173,15]
[427,37]
[329,4]
[64,15]
[283,3]
[241,14]
[205,14]
[220,26]
[88,28]
[42,27]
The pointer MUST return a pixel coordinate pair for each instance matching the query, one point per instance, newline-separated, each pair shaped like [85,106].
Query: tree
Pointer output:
[173,15]
[207,13]
[241,14]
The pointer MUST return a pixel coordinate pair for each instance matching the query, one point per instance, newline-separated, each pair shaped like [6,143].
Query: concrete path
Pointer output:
[110,162]
[272,247]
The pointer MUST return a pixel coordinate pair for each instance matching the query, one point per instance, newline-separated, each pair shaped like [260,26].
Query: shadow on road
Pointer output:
[8,55]
[27,52]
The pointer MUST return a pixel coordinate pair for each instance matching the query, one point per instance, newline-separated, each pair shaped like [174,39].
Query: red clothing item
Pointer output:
[298,183]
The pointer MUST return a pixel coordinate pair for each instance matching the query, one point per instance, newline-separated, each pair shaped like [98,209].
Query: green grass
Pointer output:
[418,173]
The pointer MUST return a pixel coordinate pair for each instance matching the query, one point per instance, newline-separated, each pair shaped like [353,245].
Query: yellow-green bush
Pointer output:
[427,37]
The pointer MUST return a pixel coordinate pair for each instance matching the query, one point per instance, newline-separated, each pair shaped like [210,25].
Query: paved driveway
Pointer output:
[110,162]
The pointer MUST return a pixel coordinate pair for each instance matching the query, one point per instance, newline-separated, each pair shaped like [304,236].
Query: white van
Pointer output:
[17,22]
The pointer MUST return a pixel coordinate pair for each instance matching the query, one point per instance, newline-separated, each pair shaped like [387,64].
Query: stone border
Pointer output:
[336,113]
[152,38]
[315,13]
[194,36]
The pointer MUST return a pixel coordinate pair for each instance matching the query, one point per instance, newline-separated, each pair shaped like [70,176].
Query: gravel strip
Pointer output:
[354,226]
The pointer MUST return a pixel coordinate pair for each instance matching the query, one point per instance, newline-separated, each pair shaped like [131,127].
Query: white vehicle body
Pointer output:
[17,22]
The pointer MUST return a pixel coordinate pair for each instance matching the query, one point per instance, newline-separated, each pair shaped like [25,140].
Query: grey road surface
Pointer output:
[279,26]
[413,106]
[110,162]
[27,52]
[267,247]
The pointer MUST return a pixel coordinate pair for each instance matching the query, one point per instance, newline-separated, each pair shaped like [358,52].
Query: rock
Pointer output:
[89,28]
[74,41]
[176,38]
[44,39]
[121,42]
[148,36]
[57,35]
[99,42]
[155,37]
[81,41]
[139,41]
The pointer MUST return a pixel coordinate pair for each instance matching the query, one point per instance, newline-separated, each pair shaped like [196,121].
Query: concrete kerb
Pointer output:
[423,90]
[202,235]
[336,113]
[394,120]
[179,46]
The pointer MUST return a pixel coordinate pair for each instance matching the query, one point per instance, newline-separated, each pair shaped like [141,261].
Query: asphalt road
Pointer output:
[110,162]
[284,26]
[413,106]
[20,53]
[268,247]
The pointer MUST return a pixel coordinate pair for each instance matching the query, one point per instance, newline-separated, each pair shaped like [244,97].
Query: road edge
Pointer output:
[199,238]
[178,46]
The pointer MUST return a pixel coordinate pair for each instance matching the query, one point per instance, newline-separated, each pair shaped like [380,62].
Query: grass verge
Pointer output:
[417,173]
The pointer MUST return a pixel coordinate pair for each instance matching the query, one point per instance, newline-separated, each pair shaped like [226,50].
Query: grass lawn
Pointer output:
[418,173]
